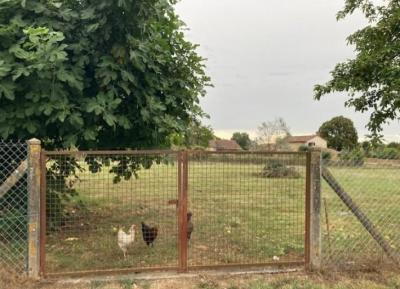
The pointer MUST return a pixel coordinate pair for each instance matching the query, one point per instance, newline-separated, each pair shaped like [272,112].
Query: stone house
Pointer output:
[307,140]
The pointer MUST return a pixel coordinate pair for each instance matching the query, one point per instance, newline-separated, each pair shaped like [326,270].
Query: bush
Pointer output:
[303,148]
[354,157]
[385,153]
[275,168]
[326,156]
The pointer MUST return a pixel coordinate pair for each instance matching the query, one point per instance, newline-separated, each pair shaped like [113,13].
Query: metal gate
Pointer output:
[247,208]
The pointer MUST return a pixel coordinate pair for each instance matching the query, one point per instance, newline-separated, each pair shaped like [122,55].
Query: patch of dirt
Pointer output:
[9,280]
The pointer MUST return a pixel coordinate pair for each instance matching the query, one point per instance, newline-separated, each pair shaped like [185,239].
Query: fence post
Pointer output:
[315,210]
[34,149]
[182,211]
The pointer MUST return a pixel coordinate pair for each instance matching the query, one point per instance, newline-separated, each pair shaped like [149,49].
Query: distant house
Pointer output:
[306,140]
[223,145]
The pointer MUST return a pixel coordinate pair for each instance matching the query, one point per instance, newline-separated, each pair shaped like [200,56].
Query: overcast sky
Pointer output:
[264,58]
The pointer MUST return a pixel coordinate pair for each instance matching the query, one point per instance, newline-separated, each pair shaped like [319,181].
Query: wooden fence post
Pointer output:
[315,211]
[34,149]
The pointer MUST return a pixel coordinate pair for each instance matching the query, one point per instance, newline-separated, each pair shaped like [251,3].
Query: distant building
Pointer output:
[223,145]
[306,140]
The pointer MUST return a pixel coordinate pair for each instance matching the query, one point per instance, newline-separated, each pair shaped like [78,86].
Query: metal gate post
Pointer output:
[313,210]
[182,210]
[34,178]
[43,224]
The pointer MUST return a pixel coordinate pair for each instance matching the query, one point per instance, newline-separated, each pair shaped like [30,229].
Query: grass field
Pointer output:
[376,190]
[239,216]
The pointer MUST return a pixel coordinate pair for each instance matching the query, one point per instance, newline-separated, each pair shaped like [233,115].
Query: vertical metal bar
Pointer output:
[179,245]
[307,210]
[182,212]
[43,189]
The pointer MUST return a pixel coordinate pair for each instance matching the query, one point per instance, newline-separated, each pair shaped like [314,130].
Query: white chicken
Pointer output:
[124,239]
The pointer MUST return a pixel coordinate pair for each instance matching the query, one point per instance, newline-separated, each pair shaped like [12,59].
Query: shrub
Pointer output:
[326,156]
[385,153]
[303,148]
[354,157]
[276,168]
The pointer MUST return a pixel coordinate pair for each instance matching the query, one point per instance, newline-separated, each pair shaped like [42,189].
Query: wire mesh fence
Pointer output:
[121,210]
[110,211]
[373,187]
[247,208]
[13,205]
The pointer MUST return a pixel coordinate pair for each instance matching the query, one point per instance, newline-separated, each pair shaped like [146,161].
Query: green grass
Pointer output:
[376,190]
[239,216]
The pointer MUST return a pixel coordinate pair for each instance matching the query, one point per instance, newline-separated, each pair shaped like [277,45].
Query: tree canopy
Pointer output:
[269,130]
[242,139]
[340,133]
[372,78]
[97,73]
[198,135]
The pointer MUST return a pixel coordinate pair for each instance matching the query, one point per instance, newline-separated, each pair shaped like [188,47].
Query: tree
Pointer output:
[340,133]
[372,78]
[243,139]
[394,145]
[267,131]
[97,74]
[198,135]
[282,143]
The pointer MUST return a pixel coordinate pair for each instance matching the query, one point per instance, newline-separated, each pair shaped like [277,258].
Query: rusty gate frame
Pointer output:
[182,158]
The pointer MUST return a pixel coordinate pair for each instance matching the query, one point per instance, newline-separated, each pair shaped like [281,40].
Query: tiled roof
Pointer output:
[224,144]
[301,138]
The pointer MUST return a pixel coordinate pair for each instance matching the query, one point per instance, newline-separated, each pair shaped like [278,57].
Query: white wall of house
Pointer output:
[318,142]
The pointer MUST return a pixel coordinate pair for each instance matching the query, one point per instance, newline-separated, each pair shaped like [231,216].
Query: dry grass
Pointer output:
[372,280]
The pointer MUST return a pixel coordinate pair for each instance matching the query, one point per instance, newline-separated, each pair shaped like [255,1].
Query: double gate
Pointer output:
[247,208]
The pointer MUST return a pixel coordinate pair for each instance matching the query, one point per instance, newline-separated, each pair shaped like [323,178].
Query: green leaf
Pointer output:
[7,90]
[48,109]
[70,141]
[110,119]
[127,76]
[76,120]
[18,72]
[93,106]
[4,69]
[124,122]
[21,53]
[70,78]
[88,13]
[31,127]
[56,4]
[89,135]
[92,27]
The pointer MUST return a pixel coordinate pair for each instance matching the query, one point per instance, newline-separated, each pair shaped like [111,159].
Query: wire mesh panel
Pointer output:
[374,187]
[13,206]
[246,208]
[111,210]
